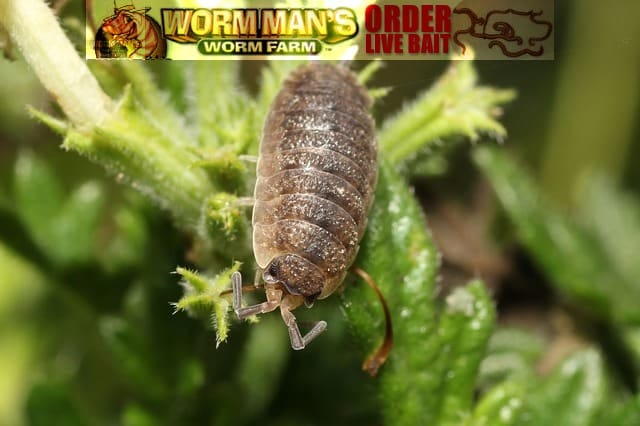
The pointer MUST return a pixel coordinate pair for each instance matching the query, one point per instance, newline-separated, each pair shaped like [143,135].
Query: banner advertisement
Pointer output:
[332,30]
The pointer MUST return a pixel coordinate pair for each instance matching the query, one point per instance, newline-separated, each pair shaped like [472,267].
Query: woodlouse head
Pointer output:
[297,275]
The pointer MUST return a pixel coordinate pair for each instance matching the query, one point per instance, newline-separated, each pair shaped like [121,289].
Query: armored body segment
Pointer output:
[322,99]
[356,149]
[317,159]
[311,208]
[321,184]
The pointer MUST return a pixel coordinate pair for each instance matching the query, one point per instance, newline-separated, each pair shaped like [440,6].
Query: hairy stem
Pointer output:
[34,28]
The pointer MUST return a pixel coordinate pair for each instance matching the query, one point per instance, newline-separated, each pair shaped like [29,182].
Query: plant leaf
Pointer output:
[155,103]
[51,404]
[135,415]
[131,236]
[131,354]
[220,108]
[38,198]
[422,382]
[399,254]
[573,394]
[202,297]
[463,333]
[613,217]
[454,106]
[511,353]
[75,227]
[501,406]
[624,414]
[262,365]
[569,254]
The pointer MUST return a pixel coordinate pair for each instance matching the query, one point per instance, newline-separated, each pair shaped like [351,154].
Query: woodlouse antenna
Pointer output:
[275,299]
[247,288]
[373,363]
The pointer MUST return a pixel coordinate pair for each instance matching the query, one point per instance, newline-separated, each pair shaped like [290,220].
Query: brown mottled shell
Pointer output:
[317,172]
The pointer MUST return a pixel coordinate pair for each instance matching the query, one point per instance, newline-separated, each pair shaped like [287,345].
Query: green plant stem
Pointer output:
[138,152]
[455,106]
[155,101]
[34,28]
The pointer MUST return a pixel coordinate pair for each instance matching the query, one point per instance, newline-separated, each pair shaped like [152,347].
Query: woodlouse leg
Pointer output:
[245,201]
[274,297]
[248,158]
[236,285]
[298,341]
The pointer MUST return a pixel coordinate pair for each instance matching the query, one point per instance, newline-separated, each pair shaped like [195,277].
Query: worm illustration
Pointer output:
[134,30]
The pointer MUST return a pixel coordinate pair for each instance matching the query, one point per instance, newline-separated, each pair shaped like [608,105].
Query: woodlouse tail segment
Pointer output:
[274,298]
[298,341]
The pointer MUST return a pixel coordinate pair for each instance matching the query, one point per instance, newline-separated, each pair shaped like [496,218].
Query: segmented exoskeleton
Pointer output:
[316,177]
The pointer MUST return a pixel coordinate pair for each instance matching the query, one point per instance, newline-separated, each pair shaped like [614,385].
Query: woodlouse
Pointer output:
[316,176]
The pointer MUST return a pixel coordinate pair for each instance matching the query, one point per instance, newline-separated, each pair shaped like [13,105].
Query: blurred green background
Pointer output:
[62,339]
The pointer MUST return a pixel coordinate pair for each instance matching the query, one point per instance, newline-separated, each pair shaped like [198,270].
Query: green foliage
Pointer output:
[203,296]
[430,376]
[64,227]
[455,106]
[133,357]
[575,393]
[593,278]
[38,196]
[51,405]
[221,109]
[613,217]
[510,353]
[600,239]
[226,215]
[571,395]
[600,277]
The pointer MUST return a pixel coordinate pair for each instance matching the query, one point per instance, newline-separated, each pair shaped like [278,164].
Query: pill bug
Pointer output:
[316,176]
